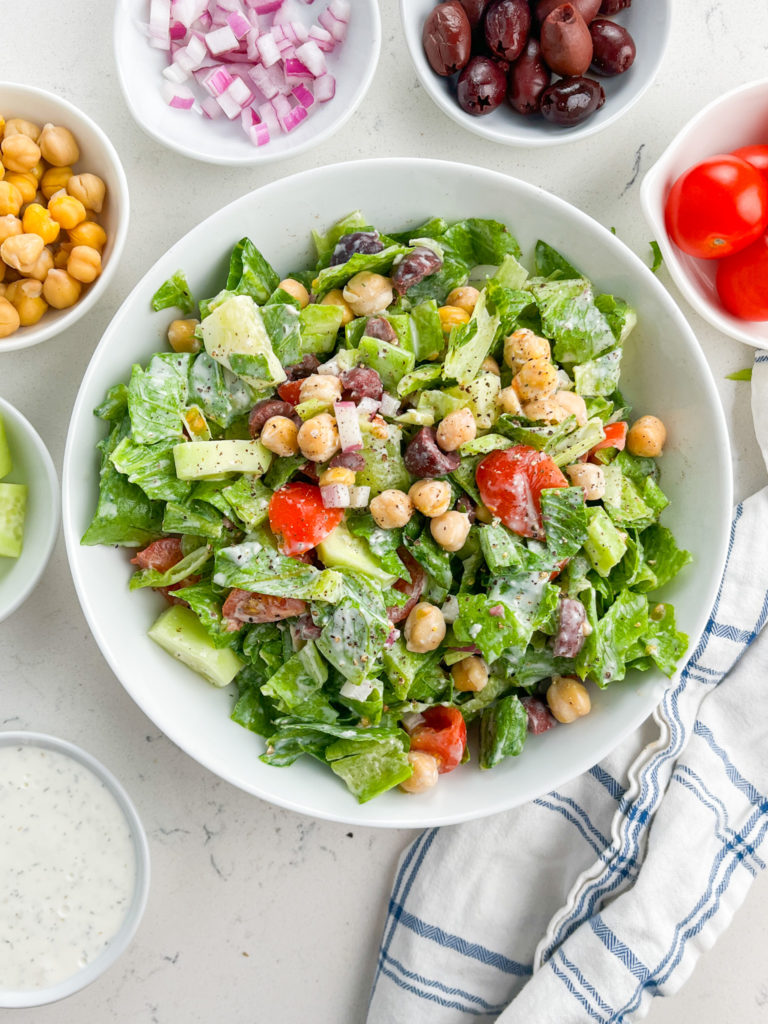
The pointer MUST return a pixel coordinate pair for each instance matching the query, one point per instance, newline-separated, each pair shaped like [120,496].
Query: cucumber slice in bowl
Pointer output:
[13,507]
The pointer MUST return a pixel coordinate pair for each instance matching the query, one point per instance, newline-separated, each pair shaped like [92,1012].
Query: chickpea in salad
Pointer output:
[393,495]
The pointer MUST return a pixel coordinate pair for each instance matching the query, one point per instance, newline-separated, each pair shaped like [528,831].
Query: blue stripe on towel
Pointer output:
[448,990]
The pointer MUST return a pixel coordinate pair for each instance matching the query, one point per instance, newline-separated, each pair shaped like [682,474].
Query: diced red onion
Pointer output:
[335,495]
[220,40]
[350,436]
[368,407]
[160,24]
[394,634]
[295,69]
[175,73]
[340,9]
[468,648]
[389,405]
[228,103]
[325,88]
[265,6]
[329,369]
[282,106]
[177,31]
[359,497]
[268,50]
[239,24]
[289,11]
[323,38]
[178,96]
[211,108]
[217,81]
[263,81]
[269,118]
[497,611]
[314,58]
[303,96]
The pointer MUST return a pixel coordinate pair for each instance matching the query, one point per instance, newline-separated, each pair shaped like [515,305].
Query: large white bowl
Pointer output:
[739,118]
[97,155]
[648,21]
[139,68]
[665,373]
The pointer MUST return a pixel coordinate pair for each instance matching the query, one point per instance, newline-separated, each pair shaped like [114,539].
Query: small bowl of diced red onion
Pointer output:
[245,81]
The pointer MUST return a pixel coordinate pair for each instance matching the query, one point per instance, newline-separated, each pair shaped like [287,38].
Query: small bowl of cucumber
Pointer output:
[29,508]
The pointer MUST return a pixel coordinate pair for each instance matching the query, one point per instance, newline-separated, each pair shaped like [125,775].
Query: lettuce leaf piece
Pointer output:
[493,634]
[235,335]
[653,496]
[293,738]
[282,323]
[470,343]
[196,518]
[281,471]
[384,465]
[403,667]
[370,767]
[249,499]
[431,557]
[174,292]
[222,396]
[663,555]
[211,493]
[252,710]
[566,448]
[115,404]
[540,664]
[383,543]
[605,545]
[296,681]
[624,623]
[432,228]
[662,643]
[620,316]
[464,476]
[569,316]
[503,730]
[437,287]
[598,376]
[250,274]
[480,241]
[257,567]
[325,244]
[550,263]
[190,565]
[485,444]
[390,362]
[376,262]
[426,332]
[354,635]
[633,571]
[124,515]
[473,704]
[318,325]
[206,601]
[267,646]
[545,437]
[152,468]
[501,548]
[623,502]
[506,303]
[565,520]
[419,379]
[157,397]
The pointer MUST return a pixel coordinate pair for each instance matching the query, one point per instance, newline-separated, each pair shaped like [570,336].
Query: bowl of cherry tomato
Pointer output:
[706,199]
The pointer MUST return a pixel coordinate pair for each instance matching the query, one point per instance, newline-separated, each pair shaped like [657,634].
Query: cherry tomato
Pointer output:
[717,207]
[243,606]
[161,554]
[755,155]
[290,391]
[299,519]
[443,734]
[742,281]
[615,437]
[510,484]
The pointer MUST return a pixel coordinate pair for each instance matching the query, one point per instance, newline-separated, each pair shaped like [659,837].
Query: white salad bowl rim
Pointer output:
[17,998]
[306,136]
[688,147]
[343,187]
[56,321]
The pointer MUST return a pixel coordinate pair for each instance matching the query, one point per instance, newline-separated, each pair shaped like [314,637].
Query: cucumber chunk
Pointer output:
[205,460]
[6,463]
[13,506]
[342,550]
[179,632]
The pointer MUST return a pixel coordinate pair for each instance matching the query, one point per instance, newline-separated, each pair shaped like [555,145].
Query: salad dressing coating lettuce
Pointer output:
[336,681]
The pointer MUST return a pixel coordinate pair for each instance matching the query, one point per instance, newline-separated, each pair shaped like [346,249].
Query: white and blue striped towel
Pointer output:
[585,904]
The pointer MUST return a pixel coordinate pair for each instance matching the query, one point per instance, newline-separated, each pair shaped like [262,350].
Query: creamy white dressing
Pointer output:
[67,867]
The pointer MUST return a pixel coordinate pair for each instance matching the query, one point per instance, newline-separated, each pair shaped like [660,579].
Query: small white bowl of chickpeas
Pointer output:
[64,211]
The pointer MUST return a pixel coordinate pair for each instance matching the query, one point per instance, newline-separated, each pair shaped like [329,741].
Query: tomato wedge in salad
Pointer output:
[615,437]
[291,391]
[299,519]
[510,483]
[160,555]
[443,734]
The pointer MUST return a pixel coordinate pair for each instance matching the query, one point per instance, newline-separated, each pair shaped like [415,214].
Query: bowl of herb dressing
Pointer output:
[75,866]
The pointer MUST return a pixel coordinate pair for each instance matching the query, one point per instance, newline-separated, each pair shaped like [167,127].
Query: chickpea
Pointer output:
[58,146]
[320,387]
[9,225]
[646,437]
[452,316]
[3,287]
[337,475]
[84,263]
[470,675]
[545,410]
[22,251]
[88,233]
[9,318]
[536,378]
[44,263]
[456,429]
[318,438]
[367,293]
[38,221]
[3,271]
[181,336]
[573,404]
[27,297]
[11,200]
[20,153]
[25,182]
[378,428]
[568,699]
[391,508]
[280,435]
[60,290]
[424,628]
[591,478]
[425,772]
[509,402]
[54,180]
[88,188]
[336,298]
[20,126]
[465,298]
[523,345]
[450,530]
[431,497]
[61,256]
[296,290]
[66,210]
[489,365]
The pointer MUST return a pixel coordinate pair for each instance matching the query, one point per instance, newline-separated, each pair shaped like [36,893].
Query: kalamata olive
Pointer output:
[570,101]
[482,86]
[465,505]
[507,25]
[380,328]
[614,6]
[265,410]
[569,638]
[447,38]
[587,8]
[348,460]
[475,9]
[357,241]
[529,76]
[307,366]
[423,457]
[540,718]
[565,41]
[361,382]
[413,268]
[613,47]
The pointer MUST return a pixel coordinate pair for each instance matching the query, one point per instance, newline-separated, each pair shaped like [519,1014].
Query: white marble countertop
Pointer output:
[257,913]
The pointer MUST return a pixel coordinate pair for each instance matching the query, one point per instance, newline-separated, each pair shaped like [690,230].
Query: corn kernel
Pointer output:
[38,221]
[337,475]
[55,179]
[88,233]
[66,210]
[452,316]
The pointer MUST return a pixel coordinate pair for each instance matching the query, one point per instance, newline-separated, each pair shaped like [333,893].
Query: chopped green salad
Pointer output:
[393,494]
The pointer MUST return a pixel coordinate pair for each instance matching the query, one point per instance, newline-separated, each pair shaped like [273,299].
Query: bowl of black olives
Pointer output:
[536,72]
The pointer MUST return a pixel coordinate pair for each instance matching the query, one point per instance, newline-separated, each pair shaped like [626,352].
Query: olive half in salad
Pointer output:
[394,494]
